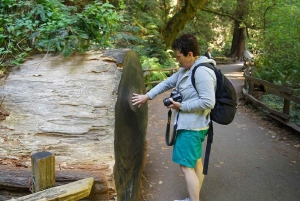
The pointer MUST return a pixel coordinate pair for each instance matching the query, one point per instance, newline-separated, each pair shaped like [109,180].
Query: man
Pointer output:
[192,114]
[208,53]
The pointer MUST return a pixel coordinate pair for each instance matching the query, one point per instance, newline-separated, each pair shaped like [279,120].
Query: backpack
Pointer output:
[226,104]
[224,109]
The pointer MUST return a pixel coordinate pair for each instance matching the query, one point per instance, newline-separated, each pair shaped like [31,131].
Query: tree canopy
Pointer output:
[269,28]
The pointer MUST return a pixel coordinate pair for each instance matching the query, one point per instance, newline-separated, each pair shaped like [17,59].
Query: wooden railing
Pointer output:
[281,91]
[219,60]
[147,72]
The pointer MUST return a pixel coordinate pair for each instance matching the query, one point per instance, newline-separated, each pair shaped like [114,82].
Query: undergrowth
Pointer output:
[276,103]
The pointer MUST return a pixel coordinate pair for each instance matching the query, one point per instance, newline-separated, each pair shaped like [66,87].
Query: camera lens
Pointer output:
[167,102]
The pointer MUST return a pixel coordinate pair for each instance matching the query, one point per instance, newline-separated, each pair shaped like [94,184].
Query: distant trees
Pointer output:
[239,30]
[186,12]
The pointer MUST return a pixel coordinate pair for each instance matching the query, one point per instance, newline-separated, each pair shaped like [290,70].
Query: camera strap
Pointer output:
[168,142]
[210,135]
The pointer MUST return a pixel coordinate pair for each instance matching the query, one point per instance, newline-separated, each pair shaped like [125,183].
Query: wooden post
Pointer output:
[246,82]
[251,87]
[43,171]
[286,107]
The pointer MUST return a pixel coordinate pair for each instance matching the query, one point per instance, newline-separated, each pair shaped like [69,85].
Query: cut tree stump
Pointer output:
[130,131]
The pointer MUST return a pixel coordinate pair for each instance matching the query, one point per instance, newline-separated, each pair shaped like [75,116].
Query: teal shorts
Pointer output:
[188,147]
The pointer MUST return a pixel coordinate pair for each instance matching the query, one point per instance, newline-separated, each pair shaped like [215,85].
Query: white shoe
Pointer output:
[186,199]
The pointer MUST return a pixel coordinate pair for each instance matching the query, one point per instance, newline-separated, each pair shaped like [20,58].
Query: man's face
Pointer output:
[185,61]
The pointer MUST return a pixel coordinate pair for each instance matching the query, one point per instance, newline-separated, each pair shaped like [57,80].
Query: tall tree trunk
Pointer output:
[238,41]
[239,32]
[180,19]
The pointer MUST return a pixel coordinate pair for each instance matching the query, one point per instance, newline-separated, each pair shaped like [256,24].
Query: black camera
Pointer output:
[176,97]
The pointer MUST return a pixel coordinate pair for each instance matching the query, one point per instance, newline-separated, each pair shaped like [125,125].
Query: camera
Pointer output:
[176,97]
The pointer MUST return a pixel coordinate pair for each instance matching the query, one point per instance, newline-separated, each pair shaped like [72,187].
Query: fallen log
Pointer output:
[72,191]
[15,182]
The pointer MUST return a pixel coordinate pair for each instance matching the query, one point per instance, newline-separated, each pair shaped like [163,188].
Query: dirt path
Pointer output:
[254,158]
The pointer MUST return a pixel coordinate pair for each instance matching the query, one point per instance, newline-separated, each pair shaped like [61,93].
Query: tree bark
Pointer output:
[239,32]
[180,19]
[130,131]
[238,41]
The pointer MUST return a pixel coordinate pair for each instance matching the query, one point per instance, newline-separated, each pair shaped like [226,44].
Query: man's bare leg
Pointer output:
[192,182]
[199,172]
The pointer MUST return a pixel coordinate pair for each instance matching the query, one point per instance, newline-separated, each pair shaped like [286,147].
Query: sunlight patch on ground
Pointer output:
[234,75]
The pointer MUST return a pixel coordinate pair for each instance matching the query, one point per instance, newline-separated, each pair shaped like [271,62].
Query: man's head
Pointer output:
[186,43]
[186,50]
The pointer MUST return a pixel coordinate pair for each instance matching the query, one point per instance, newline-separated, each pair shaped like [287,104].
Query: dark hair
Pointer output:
[186,43]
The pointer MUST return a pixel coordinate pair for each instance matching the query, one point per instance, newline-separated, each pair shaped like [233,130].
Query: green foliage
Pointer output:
[279,61]
[141,32]
[212,30]
[141,29]
[67,32]
[50,26]
[276,103]
[153,63]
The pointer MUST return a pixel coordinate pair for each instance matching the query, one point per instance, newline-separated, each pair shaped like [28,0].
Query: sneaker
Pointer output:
[186,199]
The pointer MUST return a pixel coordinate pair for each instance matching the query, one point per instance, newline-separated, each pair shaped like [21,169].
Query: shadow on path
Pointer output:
[252,159]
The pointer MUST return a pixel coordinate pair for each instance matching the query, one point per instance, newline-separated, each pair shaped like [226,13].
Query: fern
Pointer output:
[49,25]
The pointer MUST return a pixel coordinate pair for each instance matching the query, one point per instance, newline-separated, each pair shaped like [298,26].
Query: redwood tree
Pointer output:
[186,13]
[239,32]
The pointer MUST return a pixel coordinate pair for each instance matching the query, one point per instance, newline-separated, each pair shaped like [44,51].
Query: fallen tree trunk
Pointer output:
[72,115]
[15,182]
[72,191]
